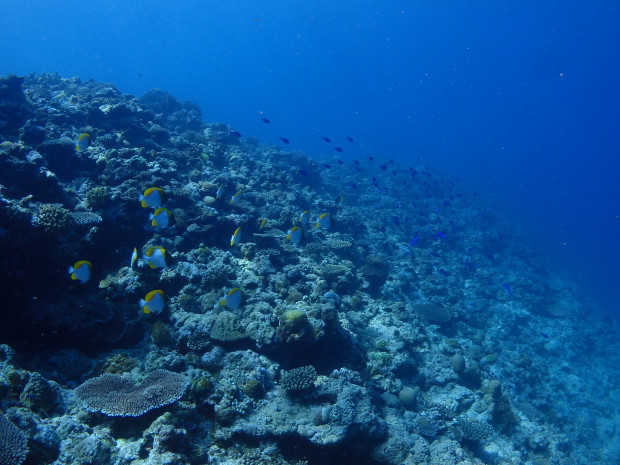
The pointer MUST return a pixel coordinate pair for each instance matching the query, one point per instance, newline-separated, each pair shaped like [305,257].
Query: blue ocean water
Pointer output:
[516,100]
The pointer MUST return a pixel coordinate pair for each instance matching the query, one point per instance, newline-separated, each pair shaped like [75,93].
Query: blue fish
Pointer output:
[507,287]
[350,139]
[414,241]
[235,133]
[338,149]
[545,335]
[265,120]
[440,234]
[285,140]
[326,139]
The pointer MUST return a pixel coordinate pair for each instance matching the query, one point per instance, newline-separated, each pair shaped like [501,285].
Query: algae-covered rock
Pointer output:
[226,328]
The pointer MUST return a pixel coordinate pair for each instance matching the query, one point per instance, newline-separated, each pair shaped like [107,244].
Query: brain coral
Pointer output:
[114,395]
[13,443]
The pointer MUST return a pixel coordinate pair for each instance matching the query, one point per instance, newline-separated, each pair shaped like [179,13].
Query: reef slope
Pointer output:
[408,325]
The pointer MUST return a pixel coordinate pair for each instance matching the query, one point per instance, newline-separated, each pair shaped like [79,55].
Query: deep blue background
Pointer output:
[519,99]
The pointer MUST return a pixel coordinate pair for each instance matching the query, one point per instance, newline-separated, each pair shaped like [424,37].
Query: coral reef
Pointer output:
[358,344]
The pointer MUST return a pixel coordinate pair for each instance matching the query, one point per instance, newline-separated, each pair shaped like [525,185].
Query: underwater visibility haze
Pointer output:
[520,101]
[316,232]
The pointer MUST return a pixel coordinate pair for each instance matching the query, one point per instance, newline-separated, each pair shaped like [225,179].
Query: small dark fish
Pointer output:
[285,140]
[507,287]
[340,162]
[392,161]
[338,149]
[326,139]
[396,219]
[353,185]
[440,234]
[326,165]
[370,158]
[383,167]
[442,271]
[358,169]
[265,120]
[545,335]
[235,133]
[350,139]
[302,172]
[356,162]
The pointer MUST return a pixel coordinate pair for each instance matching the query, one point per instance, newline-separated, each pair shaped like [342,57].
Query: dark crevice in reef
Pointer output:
[294,448]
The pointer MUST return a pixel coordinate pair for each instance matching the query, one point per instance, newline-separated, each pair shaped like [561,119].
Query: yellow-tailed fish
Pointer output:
[339,201]
[134,257]
[295,234]
[324,221]
[233,299]
[155,257]
[304,218]
[263,223]
[83,142]
[153,197]
[154,302]
[161,217]
[235,198]
[236,237]
[81,271]
[220,191]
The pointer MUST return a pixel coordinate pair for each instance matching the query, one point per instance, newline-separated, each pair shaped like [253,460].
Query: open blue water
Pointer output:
[517,100]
